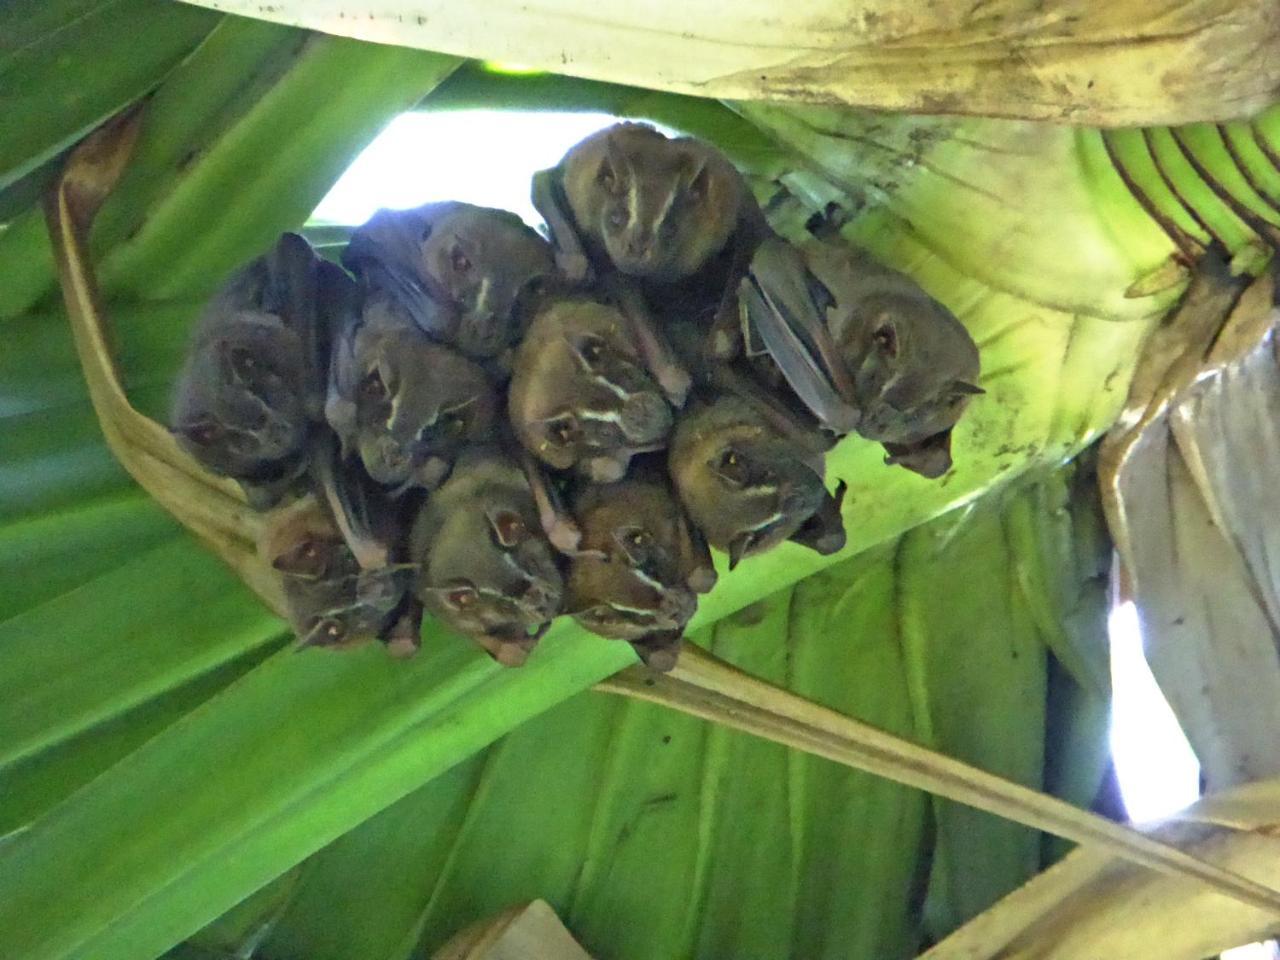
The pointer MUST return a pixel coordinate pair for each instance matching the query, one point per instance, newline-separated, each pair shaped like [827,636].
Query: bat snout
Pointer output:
[645,418]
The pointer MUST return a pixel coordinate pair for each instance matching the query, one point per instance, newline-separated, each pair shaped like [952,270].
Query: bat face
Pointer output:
[744,484]
[241,413]
[408,405]
[459,271]
[581,396]
[913,367]
[485,567]
[630,578]
[660,208]
[485,261]
[250,388]
[331,601]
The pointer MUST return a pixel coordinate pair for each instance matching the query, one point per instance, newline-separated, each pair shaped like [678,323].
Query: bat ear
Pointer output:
[587,348]
[509,528]
[740,546]
[200,432]
[963,389]
[457,596]
[327,632]
[635,543]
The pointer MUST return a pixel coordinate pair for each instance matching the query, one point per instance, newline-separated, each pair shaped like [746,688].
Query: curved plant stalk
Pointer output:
[1091,905]
[212,508]
[1130,62]
[707,687]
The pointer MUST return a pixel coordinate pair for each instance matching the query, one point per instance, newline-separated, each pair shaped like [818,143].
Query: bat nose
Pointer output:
[640,244]
[797,500]
[391,453]
[678,606]
[542,597]
[645,418]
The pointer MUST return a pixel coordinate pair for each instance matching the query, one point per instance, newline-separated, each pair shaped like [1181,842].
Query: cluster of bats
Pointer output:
[501,429]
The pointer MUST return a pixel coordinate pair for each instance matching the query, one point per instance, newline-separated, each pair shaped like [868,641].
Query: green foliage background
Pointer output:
[163,756]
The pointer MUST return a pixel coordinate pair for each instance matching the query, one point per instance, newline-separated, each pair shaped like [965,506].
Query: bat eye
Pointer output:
[603,615]
[459,261]
[244,363]
[732,468]
[328,632]
[204,433]
[455,424]
[372,388]
[508,529]
[563,429]
[618,218]
[638,538]
[590,350]
[886,339]
[461,598]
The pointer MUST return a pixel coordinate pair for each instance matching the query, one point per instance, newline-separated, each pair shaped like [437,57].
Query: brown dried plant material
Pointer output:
[527,932]
[1127,62]
[1188,482]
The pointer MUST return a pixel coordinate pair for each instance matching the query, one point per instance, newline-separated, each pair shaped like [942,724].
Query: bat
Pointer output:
[747,484]
[484,567]
[580,395]
[252,388]
[863,346]
[459,272]
[673,213]
[404,403]
[640,566]
[332,602]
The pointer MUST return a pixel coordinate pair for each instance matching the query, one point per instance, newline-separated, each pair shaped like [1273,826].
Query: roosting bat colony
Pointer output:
[500,430]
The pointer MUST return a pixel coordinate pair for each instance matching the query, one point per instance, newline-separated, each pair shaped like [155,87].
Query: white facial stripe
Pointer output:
[633,199]
[635,611]
[765,523]
[482,296]
[620,392]
[648,581]
[600,416]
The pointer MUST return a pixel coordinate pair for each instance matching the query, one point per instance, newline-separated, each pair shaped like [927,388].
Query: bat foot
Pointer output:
[659,651]
[676,383]
[702,579]
[402,648]
[575,267]
[405,637]
[506,652]
[564,536]
[722,346]
[605,469]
